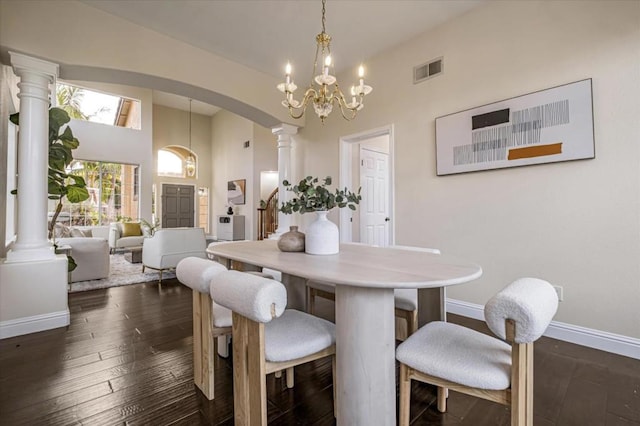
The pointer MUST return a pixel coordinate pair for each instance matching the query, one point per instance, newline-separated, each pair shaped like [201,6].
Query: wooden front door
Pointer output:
[178,206]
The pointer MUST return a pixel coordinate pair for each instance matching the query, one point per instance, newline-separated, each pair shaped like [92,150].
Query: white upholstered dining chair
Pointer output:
[464,360]
[211,322]
[267,338]
[406,300]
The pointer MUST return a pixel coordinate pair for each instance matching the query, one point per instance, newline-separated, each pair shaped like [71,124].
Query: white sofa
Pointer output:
[90,250]
[91,255]
[117,241]
[169,246]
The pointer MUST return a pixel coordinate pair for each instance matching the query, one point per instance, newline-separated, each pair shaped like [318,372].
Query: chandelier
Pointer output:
[323,94]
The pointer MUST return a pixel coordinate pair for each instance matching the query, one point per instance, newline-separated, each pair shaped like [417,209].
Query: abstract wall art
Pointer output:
[236,190]
[548,126]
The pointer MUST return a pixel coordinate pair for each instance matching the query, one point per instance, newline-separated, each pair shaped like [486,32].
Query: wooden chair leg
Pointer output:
[311,300]
[278,374]
[529,398]
[335,390]
[518,379]
[405,395]
[412,322]
[249,378]
[442,399]
[197,341]
[290,377]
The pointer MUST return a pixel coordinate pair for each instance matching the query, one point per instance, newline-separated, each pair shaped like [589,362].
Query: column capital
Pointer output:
[23,63]
[284,129]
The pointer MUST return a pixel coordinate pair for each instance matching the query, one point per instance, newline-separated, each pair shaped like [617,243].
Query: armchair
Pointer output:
[169,246]
[118,240]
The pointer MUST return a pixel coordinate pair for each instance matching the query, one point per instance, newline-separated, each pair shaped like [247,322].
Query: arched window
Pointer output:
[172,162]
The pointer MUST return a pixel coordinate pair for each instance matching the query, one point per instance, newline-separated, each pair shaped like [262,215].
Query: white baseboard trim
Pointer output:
[33,324]
[596,339]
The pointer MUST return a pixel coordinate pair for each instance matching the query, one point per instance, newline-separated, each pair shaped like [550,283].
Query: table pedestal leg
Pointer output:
[431,305]
[365,343]
[296,292]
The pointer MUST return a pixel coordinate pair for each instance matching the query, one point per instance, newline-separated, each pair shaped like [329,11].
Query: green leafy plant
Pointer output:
[149,226]
[60,183]
[312,196]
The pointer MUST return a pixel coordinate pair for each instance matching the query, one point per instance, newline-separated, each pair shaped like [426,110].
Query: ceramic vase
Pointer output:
[292,241]
[322,236]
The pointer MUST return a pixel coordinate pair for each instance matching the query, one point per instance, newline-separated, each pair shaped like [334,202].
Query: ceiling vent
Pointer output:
[427,70]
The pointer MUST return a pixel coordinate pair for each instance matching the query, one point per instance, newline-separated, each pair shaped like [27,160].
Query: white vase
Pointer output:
[322,236]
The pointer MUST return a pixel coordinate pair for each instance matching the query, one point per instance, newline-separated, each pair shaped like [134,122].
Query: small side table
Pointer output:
[66,250]
[134,255]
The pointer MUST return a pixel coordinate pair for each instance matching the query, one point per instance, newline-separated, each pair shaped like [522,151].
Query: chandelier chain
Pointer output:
[323,20]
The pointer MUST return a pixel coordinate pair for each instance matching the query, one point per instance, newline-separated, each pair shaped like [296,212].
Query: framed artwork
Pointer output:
[236,191]
[548,126]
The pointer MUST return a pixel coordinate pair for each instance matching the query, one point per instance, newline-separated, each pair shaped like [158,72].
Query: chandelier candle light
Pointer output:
[321,93]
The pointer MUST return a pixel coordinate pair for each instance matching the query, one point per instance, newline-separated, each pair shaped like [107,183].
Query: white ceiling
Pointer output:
[265,34]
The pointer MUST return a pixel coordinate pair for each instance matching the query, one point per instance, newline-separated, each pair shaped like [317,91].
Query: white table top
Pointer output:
[356,265]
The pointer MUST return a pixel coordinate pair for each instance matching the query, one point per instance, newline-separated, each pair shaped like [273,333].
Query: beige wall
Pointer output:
[576,224]
[231,161]
[110,44]
[171,127]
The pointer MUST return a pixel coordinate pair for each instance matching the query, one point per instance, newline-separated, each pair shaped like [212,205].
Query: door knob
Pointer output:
[386,219]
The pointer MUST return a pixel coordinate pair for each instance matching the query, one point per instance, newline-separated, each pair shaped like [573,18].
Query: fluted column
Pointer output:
[33,158]
[284,133]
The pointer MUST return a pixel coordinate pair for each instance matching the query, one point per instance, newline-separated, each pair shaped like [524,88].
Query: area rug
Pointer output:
[121,273]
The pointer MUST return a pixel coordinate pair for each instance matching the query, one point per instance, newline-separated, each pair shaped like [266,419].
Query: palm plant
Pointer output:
[69,99]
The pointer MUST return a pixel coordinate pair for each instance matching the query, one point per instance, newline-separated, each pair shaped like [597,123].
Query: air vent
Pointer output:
[427,70]
[247,144]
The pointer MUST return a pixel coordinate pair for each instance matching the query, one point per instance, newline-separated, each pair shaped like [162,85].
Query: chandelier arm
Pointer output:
[343,105]
[309,94]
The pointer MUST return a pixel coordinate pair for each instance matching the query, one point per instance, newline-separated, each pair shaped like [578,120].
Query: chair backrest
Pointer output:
[197,273]
[180,239]
[530,302]
[257,298]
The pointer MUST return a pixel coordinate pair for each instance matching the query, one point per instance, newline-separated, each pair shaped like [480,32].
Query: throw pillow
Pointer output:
[131,229]
[61,231]
[76,233]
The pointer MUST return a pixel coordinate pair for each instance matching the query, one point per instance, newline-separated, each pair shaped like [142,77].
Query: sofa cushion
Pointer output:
[61,231]
[79,233]
[126,242]
[131,229]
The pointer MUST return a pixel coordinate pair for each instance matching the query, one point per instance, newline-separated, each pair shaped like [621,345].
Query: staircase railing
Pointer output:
[268,216]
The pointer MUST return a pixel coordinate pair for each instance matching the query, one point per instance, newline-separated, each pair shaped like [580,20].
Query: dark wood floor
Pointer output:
[126,358]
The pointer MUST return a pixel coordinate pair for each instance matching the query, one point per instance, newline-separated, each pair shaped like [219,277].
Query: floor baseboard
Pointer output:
[596,339]
[33,324]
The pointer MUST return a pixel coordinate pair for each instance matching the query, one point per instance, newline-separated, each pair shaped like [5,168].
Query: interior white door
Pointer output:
[374,207]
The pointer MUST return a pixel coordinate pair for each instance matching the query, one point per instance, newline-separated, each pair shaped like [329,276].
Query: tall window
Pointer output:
[172,161]
[12,182]
[89,105]
[203,209]
[112,190]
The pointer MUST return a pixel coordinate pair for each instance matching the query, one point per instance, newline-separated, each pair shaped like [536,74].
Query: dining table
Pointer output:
[365,278]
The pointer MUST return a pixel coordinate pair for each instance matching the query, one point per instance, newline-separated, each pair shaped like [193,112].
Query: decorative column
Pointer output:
[284,133]
[33,158]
